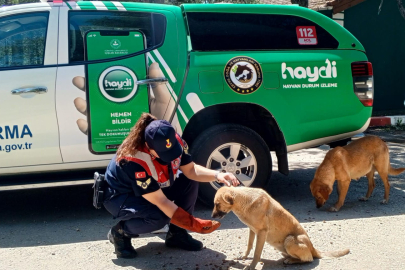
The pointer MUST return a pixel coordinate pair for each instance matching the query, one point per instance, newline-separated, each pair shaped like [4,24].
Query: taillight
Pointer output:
[363,82]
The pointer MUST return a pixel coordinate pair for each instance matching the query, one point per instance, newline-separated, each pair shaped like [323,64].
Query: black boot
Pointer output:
[121,242]
[179,238]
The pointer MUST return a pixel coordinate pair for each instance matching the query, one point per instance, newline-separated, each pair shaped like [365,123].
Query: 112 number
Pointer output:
[306,32]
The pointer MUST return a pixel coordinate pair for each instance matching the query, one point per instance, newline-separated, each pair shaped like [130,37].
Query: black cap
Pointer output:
[161,137]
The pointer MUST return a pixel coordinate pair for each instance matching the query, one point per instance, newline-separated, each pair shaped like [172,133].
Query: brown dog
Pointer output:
[270,222]
[361,157]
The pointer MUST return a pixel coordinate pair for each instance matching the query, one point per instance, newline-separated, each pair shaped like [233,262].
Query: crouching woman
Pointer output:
[152,181]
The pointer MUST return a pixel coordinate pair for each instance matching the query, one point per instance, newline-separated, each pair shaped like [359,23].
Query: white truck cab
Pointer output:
[38,130]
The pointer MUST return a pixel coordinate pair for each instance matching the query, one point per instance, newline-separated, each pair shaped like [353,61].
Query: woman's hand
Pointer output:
[228,179]
[178,216]
[202,174]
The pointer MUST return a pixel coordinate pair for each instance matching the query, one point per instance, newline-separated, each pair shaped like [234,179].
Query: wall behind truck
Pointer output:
[326,12]
[383,36]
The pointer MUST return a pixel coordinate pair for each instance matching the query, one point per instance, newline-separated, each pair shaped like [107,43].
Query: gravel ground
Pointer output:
[57,228]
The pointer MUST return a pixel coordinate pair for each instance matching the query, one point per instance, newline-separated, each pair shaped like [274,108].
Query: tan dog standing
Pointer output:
[270,222]
[361,157]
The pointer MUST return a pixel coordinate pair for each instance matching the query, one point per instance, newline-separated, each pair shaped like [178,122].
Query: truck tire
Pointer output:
[232,148]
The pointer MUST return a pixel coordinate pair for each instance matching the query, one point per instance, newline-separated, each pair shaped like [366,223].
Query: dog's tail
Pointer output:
[394,171]
[331,254]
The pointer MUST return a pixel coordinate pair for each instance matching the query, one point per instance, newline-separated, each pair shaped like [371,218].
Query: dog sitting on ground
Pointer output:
[270,222]
[361,157]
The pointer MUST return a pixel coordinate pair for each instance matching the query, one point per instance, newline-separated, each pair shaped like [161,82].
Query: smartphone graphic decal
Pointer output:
[114,100]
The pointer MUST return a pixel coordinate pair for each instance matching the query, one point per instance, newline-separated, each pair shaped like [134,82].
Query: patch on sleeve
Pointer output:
[145,184]
[140,175]
[185,146]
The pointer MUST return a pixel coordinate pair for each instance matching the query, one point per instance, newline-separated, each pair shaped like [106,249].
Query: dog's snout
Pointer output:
[319,204]
[218,214]
[214,213]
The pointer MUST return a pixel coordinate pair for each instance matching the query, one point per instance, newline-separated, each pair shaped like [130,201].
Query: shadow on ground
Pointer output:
[278,264]
[155,252]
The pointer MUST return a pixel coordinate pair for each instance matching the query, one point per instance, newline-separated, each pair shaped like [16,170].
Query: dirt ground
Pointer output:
[58,228]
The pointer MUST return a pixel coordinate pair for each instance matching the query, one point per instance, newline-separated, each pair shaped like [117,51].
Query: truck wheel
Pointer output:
[235,149]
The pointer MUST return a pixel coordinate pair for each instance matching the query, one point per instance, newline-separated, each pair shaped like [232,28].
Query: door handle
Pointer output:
[149,81]
[36,90]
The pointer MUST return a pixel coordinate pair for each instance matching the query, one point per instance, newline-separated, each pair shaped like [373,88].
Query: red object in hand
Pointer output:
[186,221]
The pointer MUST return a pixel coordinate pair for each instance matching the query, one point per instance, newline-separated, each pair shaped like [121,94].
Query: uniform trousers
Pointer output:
[140,216]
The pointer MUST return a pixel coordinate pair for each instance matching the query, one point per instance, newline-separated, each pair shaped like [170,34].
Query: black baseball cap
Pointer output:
[161,137]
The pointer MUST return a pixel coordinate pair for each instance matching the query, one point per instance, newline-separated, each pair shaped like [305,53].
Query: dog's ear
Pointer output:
[324,192]
[228,198]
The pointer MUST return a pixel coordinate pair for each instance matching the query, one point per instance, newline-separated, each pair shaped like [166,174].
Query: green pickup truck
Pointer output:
[236,80]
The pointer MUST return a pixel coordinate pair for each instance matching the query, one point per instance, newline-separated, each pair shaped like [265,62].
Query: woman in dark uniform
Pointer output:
[152,181]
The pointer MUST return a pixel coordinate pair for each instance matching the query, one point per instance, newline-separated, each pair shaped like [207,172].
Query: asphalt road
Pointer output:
[58,228]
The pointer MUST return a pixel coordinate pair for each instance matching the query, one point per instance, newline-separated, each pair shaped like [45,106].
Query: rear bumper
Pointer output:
[329,139]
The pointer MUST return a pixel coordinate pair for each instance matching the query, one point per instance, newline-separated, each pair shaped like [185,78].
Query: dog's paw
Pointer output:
[363,199]
[289,261]
[384,201]
[333,209]
[241,257]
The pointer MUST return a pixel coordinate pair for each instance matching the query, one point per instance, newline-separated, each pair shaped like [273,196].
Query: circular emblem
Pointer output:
[115,43]
[243,75]
[231,167]
[118,83]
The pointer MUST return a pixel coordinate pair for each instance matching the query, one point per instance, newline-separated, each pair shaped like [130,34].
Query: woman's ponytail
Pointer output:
[136,137]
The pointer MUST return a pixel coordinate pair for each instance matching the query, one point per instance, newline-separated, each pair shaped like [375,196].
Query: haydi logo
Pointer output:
[118,85]
[313,74]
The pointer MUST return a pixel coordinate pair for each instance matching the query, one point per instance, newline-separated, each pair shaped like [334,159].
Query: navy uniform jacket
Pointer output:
[129,176]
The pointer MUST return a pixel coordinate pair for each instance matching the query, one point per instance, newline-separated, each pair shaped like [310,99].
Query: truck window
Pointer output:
[22,39]
[151,24]
[241,31]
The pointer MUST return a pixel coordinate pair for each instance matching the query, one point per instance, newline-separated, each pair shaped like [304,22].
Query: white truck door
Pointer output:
[28,56]
[71,100]
[73,140]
